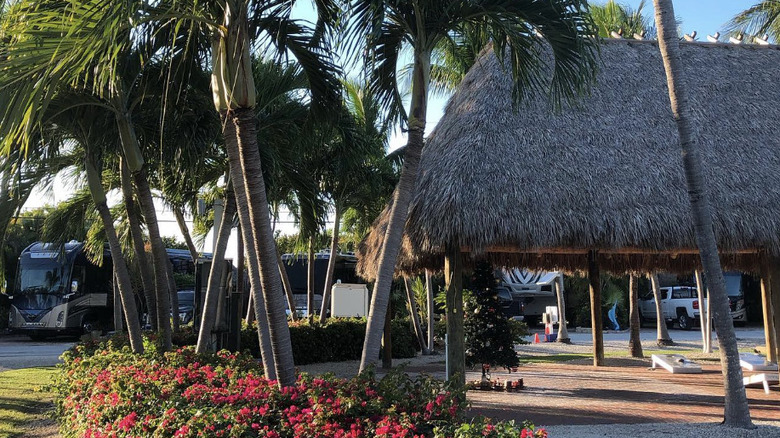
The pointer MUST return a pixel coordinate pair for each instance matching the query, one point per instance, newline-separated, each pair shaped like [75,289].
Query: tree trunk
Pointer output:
[456,352]
[774,297]
[174,293]
[147,276]
[702,311]
[132,152]
[387,340]
[662,334]
[118,326]
[253,264]
[122,274]
[216,274]
[431,310]
[563,332]
[634,342]
[186,233]
[736,411]
[286,284]
[311,259]
[768,312]
[415,315]
[241,133]
[596,323]
[334,250]
[400,205]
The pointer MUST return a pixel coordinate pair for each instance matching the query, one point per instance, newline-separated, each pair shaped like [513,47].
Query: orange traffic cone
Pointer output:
[536,338]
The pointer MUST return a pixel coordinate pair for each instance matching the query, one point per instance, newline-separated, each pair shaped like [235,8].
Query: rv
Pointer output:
[534,291]
[59,291]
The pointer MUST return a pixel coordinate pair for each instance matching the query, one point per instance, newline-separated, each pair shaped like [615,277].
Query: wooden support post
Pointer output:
[768,312]
[595,309]
[456,351]
[774,298]
[387,339]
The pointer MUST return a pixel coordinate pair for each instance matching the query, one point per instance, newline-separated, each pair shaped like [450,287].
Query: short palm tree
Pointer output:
[524,33]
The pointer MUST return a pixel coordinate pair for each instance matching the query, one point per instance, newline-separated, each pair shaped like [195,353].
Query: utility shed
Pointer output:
[600,185]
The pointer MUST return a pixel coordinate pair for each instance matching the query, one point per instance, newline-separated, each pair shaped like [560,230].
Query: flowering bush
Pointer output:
[106,391]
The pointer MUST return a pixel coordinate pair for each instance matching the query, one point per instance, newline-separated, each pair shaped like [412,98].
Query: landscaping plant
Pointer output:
[105,391]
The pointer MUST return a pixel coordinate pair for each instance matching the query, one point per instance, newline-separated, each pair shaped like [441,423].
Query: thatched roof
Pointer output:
[535,188]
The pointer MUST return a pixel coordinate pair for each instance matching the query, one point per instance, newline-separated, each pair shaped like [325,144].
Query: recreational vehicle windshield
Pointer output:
[535,290]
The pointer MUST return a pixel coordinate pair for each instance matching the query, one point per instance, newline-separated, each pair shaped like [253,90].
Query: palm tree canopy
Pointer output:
[525,29]
[759,19]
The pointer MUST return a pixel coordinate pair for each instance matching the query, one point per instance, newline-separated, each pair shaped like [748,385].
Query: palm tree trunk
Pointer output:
[138,245]
[596,322]
[387,340]
[334,250]
[159,257]
[634,341]
[736,411]
[174,293]
[415,315]
[216,274]
[563,332]
[242,135]
[122,274]
[118,326]
[662,333]
[288,292]
[311,260]
[400,208]
[702,309]
[257,302]
[186,233]
[431,310]
[132,152]
[456,353]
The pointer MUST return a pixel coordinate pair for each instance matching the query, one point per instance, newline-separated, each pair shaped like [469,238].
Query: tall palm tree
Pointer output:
[736,411]
[662,332]
[634,340]
[382,28]
[759,19]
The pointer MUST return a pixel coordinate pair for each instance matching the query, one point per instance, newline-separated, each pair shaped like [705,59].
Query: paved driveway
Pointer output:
[20,352]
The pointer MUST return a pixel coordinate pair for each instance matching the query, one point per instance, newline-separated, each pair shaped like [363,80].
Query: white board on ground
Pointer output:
[676,364]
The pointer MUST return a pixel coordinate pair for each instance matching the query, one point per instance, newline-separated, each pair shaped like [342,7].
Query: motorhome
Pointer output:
[59,291]
[533,290]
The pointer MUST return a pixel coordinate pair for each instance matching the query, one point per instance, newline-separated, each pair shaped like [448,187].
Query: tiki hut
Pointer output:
[600,185]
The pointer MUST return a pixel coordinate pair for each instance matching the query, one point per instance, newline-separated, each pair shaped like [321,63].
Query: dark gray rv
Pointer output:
[59,291]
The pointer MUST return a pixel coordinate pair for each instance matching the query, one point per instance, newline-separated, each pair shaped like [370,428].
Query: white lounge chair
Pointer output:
[759,380]
[675,364]
[754,362]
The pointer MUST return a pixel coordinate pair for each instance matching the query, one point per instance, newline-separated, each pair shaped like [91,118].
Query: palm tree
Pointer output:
[39,62]
[736,411]
[758,20]
[634,341]
[662,333]
[614,17]
[354,165]
[383,28]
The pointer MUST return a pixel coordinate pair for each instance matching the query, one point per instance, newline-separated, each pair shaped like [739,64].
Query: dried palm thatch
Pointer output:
[538,188]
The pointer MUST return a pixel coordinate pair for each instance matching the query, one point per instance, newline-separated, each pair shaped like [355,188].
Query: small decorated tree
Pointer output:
[490,335]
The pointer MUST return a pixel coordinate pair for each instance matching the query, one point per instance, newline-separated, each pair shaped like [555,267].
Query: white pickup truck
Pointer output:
[678,303]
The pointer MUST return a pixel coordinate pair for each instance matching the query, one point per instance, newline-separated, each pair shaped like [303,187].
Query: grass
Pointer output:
[22,400]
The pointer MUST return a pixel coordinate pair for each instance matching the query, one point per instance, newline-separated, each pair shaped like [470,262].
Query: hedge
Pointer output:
[103,390]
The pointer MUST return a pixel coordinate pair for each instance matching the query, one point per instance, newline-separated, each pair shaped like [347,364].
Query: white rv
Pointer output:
[534,290]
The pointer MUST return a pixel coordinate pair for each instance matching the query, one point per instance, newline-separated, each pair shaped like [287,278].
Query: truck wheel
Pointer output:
[684,322]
